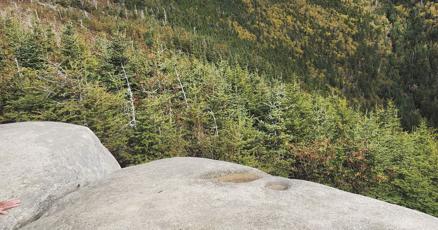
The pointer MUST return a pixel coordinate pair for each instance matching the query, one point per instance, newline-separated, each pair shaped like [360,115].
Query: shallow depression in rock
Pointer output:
[278,185]
[237,177]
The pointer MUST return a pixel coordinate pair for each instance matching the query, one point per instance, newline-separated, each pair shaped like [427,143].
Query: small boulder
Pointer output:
[41,162]
[193,193]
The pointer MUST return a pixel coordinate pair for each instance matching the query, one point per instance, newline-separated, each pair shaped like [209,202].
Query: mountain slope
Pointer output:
[151,87]
[369,51]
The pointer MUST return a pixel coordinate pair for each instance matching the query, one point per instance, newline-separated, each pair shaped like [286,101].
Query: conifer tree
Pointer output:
[70,48]
[30,51]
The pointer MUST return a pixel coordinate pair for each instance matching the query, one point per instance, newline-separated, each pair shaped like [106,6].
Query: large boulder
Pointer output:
[192,193]
[41,162]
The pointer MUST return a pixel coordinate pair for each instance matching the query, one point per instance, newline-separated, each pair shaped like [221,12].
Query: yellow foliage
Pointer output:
[242,32]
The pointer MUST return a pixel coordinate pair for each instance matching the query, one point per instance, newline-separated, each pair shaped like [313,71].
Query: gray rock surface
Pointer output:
[193,193]
[41,162]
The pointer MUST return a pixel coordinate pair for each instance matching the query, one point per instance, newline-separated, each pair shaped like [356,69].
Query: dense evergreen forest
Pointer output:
[339,92]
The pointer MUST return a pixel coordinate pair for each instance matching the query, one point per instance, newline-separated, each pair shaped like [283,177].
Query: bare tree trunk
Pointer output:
[133,121]
[182,87]
[18,67]
[216,131]
[170,111]
[95,4]
[37,17]
[165,16]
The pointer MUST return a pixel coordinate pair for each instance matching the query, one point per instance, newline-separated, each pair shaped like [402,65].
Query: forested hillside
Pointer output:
[337,92]
[368,51]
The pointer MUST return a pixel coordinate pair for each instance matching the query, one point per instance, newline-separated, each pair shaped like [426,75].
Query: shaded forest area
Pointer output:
[342,93]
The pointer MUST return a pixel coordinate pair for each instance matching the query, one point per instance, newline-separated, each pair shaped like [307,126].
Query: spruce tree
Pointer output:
[30,52]
[70,49]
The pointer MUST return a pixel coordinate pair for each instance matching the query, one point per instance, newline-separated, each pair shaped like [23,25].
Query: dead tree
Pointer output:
[133,121]
[182,87]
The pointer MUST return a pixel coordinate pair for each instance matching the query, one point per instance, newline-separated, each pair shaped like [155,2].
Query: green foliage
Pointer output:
[116,53]
[71,48]
[372,52]
[32,49]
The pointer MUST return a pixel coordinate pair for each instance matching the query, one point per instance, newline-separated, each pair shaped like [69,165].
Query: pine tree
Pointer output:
[71,51]
[30,51]
[116,53]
